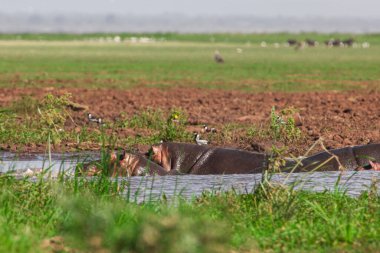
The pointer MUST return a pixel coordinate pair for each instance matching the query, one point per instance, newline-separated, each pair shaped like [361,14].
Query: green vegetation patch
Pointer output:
[30,122]
[85,215]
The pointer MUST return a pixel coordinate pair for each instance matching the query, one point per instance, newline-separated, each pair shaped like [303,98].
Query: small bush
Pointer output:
[282,125]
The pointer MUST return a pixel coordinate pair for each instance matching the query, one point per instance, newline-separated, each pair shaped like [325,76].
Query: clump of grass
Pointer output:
[53,115]
[37,122]
[175,127]
[283,127]
[169,127]
[279,219]
[152,119]
[277,159]
[31,121]
[230,133]
[26,106]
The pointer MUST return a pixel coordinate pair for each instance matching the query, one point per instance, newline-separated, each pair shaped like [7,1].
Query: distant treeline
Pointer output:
[215,38]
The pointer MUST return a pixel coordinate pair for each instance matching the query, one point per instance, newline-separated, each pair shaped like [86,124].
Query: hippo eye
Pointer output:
[149,153]
[122,156]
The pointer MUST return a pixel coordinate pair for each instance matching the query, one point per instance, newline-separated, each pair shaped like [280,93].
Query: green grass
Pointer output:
[92,216]
[187,60]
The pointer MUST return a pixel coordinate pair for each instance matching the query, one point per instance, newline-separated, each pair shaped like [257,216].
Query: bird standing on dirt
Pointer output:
[207,129]
[91,118]
[218,57]
[198,140]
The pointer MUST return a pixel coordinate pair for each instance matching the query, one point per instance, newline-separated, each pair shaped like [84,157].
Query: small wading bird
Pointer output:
[91,118]
[300,46]
[207,129]
[198,140]
[218,57]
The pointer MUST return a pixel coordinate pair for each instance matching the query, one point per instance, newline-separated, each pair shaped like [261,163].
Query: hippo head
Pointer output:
[130,166]
[94,168]
[161,155]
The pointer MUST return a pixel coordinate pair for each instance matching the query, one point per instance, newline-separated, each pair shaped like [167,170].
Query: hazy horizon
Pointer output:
[195,16]
[268,8]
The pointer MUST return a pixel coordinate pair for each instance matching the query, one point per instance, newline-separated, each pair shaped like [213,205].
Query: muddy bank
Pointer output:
[341,118]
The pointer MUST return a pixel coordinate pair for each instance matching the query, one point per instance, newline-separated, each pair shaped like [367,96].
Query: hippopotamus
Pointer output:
[348,158]
[171,158]
[195,159]
[138,165]
[127,164]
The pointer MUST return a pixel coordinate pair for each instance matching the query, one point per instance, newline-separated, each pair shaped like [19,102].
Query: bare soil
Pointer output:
[340,118]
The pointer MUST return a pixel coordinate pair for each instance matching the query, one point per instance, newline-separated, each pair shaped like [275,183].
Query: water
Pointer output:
[189,186]
[153,188]
[21,163]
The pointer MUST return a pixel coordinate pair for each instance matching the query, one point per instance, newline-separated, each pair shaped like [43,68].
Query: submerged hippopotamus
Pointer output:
[127,164]
[349,158]
[194,159]
[181,158]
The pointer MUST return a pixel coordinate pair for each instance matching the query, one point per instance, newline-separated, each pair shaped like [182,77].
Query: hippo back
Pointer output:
[351,158]
[365,153]
[229,161]
[184,156]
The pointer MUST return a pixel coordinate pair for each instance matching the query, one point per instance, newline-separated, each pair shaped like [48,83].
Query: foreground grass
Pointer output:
[188,63]
[92,216]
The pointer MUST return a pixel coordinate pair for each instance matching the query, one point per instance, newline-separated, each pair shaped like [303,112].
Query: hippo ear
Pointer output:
[156,153]
[156,149]
[113,157]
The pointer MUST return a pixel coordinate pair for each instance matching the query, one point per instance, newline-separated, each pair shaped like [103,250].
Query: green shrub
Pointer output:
[283,127]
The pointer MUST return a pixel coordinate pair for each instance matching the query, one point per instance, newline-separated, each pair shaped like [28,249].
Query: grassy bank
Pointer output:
[30,124]
[187,62]
[92,216]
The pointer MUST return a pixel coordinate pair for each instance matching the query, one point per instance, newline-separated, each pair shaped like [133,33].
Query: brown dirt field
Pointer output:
[340,118]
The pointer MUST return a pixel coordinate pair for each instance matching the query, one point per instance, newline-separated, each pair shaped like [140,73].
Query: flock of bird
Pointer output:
[350,42]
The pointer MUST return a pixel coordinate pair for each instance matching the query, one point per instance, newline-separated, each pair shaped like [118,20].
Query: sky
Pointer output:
[260,8]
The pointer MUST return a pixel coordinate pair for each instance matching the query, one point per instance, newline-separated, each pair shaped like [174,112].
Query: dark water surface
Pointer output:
[152,188]
[54,162]
[188,186]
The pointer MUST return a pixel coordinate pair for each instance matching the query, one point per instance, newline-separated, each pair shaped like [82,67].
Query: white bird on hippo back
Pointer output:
[218,57]
[198,140]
